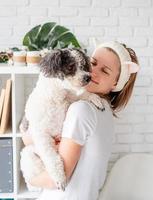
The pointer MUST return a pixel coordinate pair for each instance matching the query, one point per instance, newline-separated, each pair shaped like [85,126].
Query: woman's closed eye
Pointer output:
[103,70]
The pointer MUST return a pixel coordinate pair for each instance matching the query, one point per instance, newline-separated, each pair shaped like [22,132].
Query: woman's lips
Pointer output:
[94,81]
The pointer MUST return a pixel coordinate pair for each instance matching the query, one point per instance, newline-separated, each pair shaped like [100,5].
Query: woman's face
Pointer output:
[105,71]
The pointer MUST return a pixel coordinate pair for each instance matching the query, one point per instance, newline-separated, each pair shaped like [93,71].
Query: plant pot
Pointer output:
[33,58]
[19,58]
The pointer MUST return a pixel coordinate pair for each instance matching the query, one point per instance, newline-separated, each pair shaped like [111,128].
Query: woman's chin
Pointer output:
[90,88]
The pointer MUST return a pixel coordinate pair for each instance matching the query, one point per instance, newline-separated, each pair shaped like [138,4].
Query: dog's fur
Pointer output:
[62,74]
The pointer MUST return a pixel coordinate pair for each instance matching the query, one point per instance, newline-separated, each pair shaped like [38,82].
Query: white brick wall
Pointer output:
[128,21]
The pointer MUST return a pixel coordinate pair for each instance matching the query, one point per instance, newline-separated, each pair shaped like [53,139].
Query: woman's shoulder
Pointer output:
[81,106]
[87,105]
[80,121]
[82,110]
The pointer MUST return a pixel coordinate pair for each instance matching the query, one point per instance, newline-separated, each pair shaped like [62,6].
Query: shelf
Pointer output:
[6,135]
[19,135]
[6,195]
[28,195]
[6,69]
[24,193]
[23,81]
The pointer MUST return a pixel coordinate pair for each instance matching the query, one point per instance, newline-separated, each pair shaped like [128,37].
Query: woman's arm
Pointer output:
[70,153]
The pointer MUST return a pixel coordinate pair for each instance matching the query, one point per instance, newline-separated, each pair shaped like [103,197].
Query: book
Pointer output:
[6,108]
[2,101]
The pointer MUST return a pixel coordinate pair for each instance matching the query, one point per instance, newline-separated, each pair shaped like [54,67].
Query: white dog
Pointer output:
[62,74]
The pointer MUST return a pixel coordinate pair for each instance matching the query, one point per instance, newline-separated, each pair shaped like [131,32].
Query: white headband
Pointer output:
[127,66]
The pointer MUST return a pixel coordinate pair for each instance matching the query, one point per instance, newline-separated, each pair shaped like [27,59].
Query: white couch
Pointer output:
[131,178]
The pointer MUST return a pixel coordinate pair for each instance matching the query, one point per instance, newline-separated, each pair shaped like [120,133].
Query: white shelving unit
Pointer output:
[23,81]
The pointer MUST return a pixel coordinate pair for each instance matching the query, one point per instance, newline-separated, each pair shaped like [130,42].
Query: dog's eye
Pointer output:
[70,67]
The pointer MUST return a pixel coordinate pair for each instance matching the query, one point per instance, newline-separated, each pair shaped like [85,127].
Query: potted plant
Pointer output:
[43,38]
[7,54]
[49,36]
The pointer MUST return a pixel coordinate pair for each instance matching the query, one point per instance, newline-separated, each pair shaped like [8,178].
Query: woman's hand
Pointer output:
[57,139]
[27,139]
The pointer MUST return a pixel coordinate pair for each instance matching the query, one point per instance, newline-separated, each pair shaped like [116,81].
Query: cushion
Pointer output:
[131,178]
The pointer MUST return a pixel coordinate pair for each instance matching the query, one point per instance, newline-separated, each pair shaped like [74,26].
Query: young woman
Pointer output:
[86,141]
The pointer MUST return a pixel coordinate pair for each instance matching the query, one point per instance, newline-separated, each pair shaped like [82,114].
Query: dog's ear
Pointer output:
[51,63]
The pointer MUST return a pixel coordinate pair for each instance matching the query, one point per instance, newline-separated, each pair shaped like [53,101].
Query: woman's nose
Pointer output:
[93,71]
[93,74]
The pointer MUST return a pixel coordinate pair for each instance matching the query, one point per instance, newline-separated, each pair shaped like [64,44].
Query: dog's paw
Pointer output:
[23,127]
[56,171]
[61,186]
[97,101]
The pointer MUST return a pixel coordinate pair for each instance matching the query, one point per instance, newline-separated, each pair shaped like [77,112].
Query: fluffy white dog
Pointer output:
[62,74]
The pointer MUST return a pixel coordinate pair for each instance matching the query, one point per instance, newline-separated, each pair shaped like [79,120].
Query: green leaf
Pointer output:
[49,35]
[31,37]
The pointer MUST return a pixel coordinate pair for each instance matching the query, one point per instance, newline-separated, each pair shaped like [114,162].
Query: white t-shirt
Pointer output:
[92,128]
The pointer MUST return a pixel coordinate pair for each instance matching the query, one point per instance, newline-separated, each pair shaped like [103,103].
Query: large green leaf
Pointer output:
[49,35]
[42,37]
[31,37]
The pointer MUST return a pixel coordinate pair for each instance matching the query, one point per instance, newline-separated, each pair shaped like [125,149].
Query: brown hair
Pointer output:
[118,100]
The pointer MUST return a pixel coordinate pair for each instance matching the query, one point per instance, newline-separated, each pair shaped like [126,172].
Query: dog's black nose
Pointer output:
[86,78]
